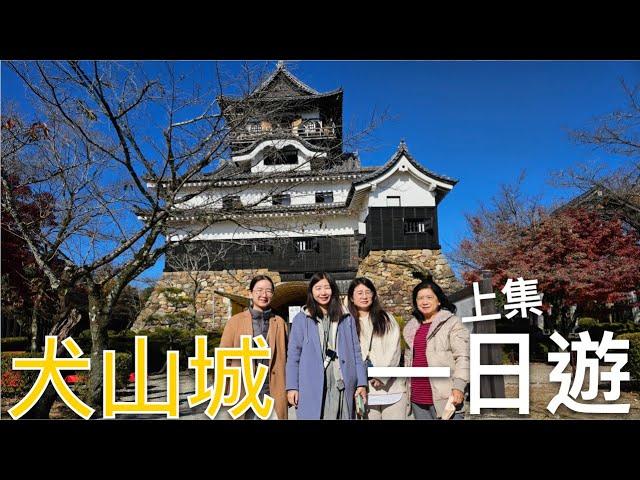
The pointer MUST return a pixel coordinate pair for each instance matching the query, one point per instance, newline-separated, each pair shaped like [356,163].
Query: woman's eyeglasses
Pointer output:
[367,294]
[262,291]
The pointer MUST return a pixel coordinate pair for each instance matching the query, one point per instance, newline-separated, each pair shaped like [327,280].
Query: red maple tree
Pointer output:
[23,287]
[577,256]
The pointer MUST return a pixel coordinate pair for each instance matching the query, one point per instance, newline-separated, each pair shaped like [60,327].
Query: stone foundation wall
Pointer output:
[212,310]
[395,282]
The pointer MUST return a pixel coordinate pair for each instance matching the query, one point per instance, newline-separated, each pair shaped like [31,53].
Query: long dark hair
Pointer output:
[442,298]
[379,318]
[335,307]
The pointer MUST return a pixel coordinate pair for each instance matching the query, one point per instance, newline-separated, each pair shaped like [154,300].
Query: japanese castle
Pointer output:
[294,202]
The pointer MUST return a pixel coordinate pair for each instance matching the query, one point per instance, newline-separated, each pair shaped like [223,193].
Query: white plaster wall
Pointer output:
[260,195]
[412,192]
[301,226]
[256,156]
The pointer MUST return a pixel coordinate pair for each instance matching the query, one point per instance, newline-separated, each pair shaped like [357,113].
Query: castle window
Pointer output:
[307,245]
[393,201]
[287,156]
[324,197]
[281,199]
[416,225]
[310,128]
[261,248]
[231,201]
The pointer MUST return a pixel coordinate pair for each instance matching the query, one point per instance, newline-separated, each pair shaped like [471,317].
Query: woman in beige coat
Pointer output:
[436,338]
[259,320]
[379,335]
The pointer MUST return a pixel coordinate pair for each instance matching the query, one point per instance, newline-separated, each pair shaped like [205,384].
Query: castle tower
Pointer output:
[296,203]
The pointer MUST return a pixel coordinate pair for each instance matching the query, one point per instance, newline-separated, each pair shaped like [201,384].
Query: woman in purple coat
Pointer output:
[324,372]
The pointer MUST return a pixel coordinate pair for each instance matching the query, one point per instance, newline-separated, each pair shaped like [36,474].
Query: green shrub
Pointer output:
[620,328]
[541,351]
[506,360]
[19,382]
[15,344]
[510,354]
[585,323]
[633,365]
[596,329]
[118,341]
[163,339]
[122,342]
[176,297]
[16,382]
[158,342]
[124,366]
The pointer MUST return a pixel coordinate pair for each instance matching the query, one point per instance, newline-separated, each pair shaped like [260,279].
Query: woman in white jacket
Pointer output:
[379,335]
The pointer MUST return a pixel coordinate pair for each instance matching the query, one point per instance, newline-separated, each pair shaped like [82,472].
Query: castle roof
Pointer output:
[345,166]
[282,85]
[395,158]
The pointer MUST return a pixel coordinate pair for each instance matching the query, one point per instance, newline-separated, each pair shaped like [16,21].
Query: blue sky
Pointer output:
[481,122]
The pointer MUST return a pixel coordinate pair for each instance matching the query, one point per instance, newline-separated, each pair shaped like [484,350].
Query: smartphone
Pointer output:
[360,410]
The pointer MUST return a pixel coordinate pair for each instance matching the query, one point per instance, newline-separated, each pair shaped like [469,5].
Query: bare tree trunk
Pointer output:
[566,328]
[37,304]
[98,321]
[194,299]
[34,328]
[63,329]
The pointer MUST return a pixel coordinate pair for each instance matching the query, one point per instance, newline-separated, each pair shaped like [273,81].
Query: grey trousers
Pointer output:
[428,412]
[395,411]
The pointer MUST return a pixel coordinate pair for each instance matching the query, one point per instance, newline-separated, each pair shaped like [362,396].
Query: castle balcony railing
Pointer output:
[314,129]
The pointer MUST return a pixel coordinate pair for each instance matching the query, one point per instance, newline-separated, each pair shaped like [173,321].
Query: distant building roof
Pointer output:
[608,201]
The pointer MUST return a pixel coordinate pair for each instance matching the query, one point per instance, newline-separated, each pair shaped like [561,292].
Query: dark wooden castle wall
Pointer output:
[386,229]
[327,254]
